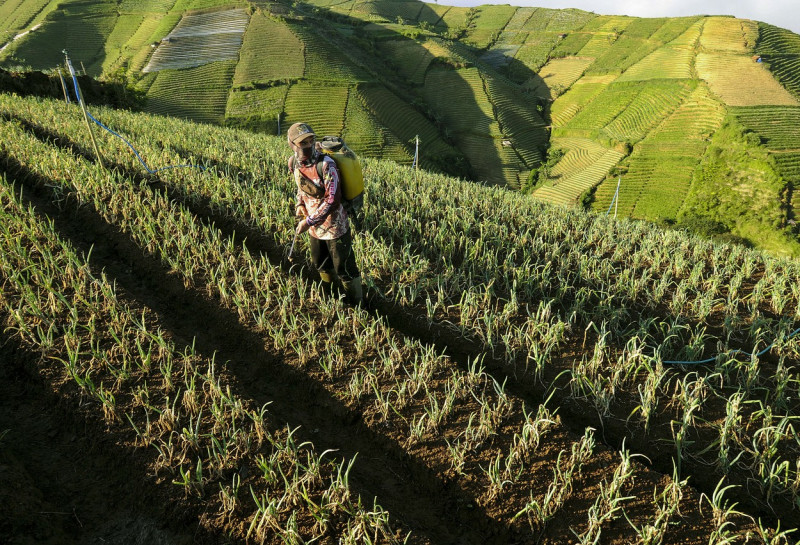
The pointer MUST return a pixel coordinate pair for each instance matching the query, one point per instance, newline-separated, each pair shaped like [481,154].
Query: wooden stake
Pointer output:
[63,85]
[85,114]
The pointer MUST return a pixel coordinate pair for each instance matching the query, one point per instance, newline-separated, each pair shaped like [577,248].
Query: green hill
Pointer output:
[659,105]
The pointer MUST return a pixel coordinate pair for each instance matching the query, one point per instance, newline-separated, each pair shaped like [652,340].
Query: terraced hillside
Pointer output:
[487,92]
[519,373]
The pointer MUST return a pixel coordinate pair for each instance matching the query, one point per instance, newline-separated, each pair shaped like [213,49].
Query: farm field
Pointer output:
[660,169]
[511,379]
[584,165]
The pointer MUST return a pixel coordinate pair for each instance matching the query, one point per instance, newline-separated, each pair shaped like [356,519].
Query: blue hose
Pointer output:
[135,152]
[735,351]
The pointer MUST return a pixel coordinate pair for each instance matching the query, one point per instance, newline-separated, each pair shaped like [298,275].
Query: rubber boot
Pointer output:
[354,292]
[327,282]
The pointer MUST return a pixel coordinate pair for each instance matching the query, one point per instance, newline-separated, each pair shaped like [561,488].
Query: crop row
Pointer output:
[258,109]
[386,377]
[667,62]
[200,39]
[663,162]
[166,397]
[364,133]
[604,108]
[121,40]
[326,116]
[269,51]
[599,44]
[566,106]
[361,130]
[390,11]
[145,6]
[535,52]
[560,73]
[725,72]
[465,108]
[209,85]
[650,106]
[86,35]
[398,116]
[773,124]
[584,166]
[773,40]
[460,276]
[17,15]
[409,57]
[324,60]
[729,35]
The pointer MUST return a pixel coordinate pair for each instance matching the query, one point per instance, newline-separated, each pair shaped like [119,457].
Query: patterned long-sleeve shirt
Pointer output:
[327,217]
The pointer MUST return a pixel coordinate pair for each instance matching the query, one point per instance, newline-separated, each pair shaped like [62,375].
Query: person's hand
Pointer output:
[302,227]
[300,212]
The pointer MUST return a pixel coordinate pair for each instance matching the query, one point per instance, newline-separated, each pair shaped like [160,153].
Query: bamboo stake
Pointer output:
[63,85]
[85,113]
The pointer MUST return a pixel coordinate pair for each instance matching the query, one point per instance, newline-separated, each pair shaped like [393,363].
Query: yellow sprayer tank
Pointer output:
[348,165]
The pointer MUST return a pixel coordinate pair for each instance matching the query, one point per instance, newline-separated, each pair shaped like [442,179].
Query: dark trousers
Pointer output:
[335,256]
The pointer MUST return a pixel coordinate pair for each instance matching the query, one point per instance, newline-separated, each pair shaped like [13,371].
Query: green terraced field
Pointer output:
[585,165]
[661,167]
[559,74]
[608,23]
[257,109]
[325,116]
[388,11]
[571,44]
[534,53]
[208,85]
[324,61]
[668,62]
[270,51]
[521,123]
[145,6]
[19,15]
[601,111]
[84,37]
[780,49]
[200,39]
[654,102]
[726,72]
[600,43]
[465,108]
[579,95]
[729,34]
[401,119]
[410,58]
[775,125]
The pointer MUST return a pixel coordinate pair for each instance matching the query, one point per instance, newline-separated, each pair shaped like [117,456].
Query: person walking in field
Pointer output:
[320,211]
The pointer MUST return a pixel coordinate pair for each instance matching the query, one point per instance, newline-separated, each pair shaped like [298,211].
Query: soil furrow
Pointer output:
[65,480]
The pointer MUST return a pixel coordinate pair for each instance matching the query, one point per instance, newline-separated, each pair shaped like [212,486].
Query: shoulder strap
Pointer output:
[319,166]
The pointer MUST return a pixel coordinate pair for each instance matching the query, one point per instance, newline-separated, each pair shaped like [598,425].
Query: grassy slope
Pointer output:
[509,66]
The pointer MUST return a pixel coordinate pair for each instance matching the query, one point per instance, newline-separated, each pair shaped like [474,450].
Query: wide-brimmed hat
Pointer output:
[299,131]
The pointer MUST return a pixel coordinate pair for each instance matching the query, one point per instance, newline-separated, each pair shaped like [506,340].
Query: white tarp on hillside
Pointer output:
[201,39]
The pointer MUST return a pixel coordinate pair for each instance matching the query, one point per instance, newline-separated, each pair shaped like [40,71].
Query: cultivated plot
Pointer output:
[585,164]
[740,81]
[200,39]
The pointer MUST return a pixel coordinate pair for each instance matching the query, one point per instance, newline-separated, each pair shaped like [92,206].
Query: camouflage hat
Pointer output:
[299,131]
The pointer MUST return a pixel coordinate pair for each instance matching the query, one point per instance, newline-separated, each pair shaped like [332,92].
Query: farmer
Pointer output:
[320,211]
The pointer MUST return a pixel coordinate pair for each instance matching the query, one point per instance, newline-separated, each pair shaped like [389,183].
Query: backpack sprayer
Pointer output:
[350,176]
